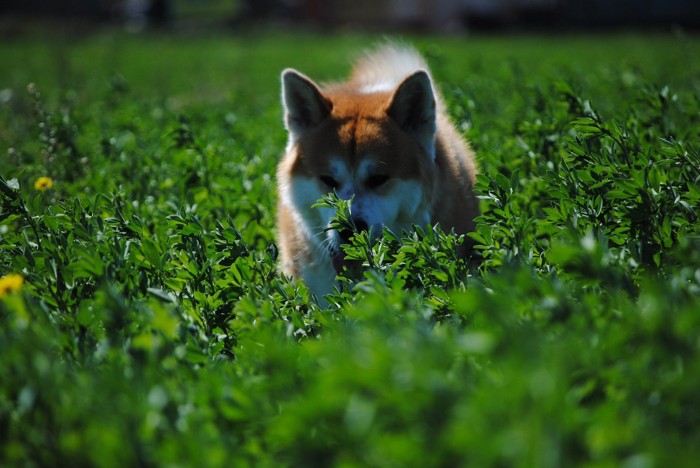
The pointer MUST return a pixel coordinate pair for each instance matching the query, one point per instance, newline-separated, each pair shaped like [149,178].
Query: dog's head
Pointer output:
[375,145]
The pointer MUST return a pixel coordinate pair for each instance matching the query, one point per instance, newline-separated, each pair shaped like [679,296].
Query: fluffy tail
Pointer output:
[386,66]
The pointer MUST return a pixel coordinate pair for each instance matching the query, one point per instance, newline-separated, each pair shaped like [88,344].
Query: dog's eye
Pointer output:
[377,180]
[330,182]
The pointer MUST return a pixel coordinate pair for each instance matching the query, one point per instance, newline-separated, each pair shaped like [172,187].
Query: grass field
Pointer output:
[143,322]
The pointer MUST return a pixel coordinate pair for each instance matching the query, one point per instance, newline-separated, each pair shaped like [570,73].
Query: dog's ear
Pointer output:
[304,104]
[413,108]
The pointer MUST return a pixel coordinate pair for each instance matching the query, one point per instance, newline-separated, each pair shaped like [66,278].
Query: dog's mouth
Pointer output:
[338,258]
[340,261]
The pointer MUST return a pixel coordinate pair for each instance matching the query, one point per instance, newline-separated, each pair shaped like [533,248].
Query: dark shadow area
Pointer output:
[433,16]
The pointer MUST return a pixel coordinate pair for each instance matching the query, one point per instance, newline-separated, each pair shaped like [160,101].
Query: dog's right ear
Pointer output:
[413,108]
[304,104]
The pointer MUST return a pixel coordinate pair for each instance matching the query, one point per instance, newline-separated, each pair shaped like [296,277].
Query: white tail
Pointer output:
[384,68]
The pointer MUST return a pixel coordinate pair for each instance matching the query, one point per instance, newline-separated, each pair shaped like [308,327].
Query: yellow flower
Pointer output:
[43,183]
[10,283]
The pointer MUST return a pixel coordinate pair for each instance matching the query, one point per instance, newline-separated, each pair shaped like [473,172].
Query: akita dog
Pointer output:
[382,138]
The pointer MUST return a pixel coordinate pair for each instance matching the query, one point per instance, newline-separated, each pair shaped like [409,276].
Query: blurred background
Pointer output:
[450,16]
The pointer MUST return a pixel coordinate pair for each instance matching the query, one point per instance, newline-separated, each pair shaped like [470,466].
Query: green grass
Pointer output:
[152,327]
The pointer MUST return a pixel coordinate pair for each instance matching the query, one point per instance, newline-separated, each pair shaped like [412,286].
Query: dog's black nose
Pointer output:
[360,224]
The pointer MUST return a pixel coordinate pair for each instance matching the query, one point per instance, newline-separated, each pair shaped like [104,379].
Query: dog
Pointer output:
[382,139]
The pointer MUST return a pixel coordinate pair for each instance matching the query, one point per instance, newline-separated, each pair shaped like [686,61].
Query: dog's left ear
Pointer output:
[304,104]
[413,109]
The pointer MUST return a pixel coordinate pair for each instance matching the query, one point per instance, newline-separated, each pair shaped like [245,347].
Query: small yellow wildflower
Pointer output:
[10,283]
[43,183]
